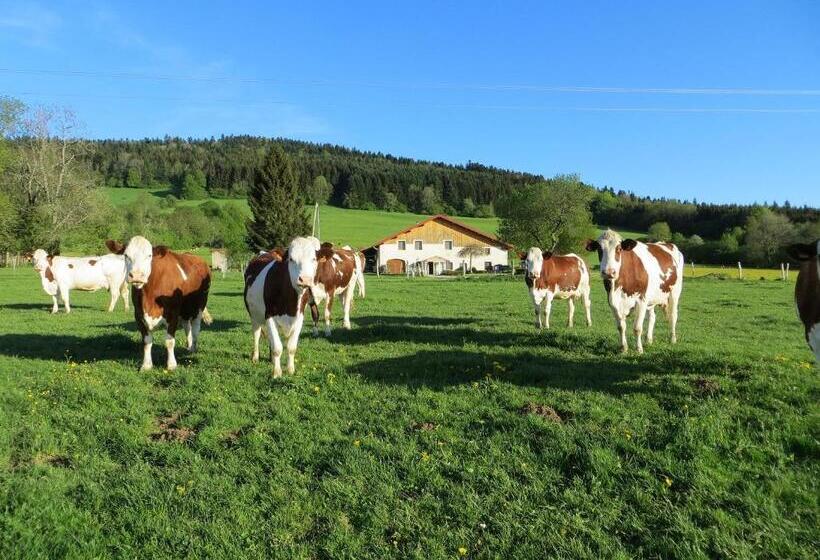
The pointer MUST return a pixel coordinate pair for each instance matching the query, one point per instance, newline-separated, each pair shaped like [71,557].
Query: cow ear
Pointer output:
[546,255]
[159,251]
[592,245]
[628,244]
[522,256]
[115,247]
[801,251]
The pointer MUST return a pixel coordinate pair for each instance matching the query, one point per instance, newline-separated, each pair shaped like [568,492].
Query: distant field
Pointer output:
[359,228]
[442,426]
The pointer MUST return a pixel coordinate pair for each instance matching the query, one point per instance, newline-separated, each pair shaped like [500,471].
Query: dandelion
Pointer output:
[667,481]
[628,435]
[316,389]
[357,442]
[462,551]
[180,489]
[425,456]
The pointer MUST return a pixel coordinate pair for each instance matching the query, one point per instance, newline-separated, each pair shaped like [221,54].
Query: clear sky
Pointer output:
[510,84]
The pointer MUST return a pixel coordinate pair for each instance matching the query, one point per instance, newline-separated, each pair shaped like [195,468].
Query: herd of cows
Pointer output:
[171,288]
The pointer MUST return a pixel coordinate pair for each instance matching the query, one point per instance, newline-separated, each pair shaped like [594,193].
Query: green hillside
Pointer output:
[358,228]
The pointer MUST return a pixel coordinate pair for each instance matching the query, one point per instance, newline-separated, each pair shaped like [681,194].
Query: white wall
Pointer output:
[410,255]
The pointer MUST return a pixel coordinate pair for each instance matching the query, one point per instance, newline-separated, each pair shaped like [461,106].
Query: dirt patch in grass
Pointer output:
[705,387]
[423,426]
[53,460]
[542,410]
[232,438]
[168,429]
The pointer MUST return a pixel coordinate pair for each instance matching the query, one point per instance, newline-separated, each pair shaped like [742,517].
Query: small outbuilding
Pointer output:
[434,246]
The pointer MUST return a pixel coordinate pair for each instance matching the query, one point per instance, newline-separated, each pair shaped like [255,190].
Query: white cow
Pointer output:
[60,275]
[640,276]
[552,276]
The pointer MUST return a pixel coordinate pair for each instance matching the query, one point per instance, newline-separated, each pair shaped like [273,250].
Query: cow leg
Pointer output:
[147,343]
[257,334]
[64,296]
[547,309]
[620,322]
[348,301]
[587,307]
[170,343]
[196,327]
[189,337]
[570,312]
[314,314]
[276,347]
[536,306]
[640,315]
[650,326]
[124,293]
[672,314]
[55,308]
[293,342]
[115,295]
[328,310]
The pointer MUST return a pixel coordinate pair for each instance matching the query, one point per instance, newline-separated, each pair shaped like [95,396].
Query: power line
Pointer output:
[443,106]
[419,85]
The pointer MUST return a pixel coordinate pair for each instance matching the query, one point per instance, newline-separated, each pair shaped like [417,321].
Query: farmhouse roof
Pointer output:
[489,238]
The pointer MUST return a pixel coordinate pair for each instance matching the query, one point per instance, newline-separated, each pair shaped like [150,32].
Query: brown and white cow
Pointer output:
[60,275]
[807,291]
[277,289]
[550,276]
[640,276]
[338,273]
[167,287]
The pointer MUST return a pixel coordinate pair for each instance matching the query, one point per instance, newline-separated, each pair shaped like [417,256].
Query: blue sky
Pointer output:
[502,83]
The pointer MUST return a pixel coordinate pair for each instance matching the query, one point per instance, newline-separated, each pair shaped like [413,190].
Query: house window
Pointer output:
[417,245]
[402,245]
[488,265]
[486,250]
[448,245]
[448,265]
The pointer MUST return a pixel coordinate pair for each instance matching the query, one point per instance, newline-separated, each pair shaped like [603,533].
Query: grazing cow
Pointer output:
[60,275]
[807,291]
[640,276]
[167,287]
[277,289]
[338,272]
[550,276]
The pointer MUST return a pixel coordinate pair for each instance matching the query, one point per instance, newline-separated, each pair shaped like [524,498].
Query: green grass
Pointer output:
[707,449]
[358,228]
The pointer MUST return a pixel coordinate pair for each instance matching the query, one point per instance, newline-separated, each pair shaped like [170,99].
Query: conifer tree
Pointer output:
[277,207]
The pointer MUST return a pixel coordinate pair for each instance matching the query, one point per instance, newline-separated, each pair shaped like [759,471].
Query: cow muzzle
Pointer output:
[609,274]
[305,281]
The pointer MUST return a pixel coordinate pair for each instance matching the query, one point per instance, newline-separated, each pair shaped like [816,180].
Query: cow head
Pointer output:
[534,262]
[805,252]
[40,259]
[610,247]
[302,258]
[139,254]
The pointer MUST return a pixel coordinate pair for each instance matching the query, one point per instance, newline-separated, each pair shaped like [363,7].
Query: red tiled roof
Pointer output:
[488,237]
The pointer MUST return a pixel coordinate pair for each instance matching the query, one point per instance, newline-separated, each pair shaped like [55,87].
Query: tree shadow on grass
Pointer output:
[59,347]
[218,325]
[650,373]
[382,320]
[43,306]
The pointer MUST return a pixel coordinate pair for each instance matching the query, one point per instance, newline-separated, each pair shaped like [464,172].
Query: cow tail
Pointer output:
[206,317]
[359,275]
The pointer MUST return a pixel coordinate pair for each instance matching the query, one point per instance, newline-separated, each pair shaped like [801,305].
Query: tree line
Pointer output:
[49,195]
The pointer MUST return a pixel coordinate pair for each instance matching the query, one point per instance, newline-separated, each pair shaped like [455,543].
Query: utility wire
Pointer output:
[419,85]
[547,108]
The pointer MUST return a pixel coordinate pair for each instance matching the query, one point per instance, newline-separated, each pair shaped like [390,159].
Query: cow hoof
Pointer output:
[315,333]
[171,367]
[327,334]
[277,373]
[144,367]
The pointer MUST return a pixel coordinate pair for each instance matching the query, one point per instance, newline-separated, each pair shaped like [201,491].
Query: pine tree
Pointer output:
[277,207]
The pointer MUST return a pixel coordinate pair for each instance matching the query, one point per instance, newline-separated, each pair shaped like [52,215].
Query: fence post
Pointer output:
[787,272]
[782,272]
[693,269]
[739,270]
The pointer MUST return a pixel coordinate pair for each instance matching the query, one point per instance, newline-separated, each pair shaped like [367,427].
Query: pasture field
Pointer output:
[443,425]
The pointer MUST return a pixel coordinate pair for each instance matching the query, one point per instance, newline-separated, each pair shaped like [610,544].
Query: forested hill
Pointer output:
[356,179]
[351,178]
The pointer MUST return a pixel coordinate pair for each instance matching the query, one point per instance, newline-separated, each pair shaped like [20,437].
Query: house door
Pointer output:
[431,269]
[395,266]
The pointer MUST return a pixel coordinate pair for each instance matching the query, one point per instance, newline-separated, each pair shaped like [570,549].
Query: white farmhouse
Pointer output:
[436,245]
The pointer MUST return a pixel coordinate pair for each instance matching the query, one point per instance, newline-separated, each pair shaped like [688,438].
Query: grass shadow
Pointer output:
[59,347]
[44,306]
